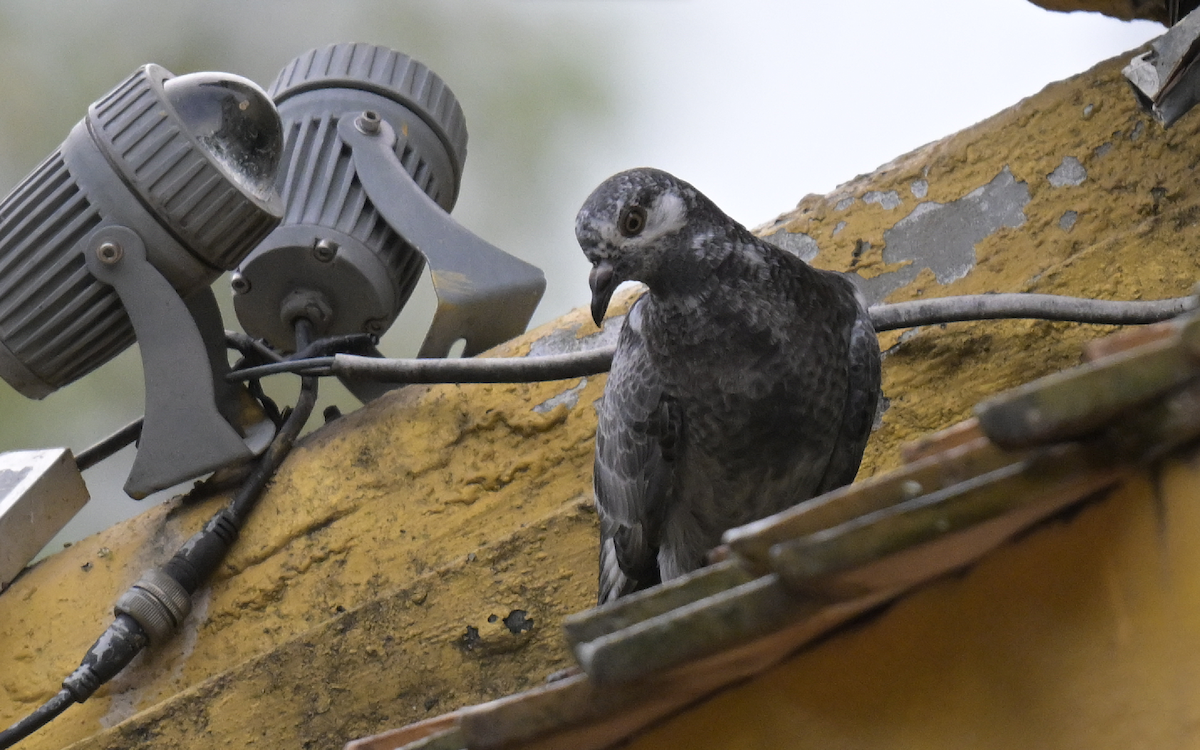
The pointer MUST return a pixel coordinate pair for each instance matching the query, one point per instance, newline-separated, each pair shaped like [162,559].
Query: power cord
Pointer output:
[154,607]
[594,361]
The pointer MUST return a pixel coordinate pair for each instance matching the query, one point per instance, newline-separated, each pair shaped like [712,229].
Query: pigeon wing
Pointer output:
[632,477]
[862,397]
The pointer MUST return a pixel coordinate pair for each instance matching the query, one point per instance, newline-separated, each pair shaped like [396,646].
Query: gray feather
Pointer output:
[744,381]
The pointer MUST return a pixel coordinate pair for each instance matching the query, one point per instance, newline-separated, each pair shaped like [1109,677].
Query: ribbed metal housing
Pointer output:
[385,72]
[57,322]
[325,201]
[319,187]
[55,318]
[173,174]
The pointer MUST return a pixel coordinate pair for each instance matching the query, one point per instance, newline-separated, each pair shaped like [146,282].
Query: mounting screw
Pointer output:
[110,253]
[375,326]
[368,122]
[240,284]
[324,250]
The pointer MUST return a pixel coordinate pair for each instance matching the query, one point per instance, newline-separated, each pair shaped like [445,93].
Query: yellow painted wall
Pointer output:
[342,609]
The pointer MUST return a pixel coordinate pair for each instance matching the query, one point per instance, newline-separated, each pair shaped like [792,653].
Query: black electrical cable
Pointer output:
[249,347]
[94,454]
[159,601]
[476,370]
[315,366]
[36,720]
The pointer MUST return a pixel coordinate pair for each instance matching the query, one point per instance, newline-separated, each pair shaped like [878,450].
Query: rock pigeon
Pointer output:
[744,381]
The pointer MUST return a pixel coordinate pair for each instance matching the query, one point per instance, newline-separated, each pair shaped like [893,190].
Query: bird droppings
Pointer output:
[942,236]
[919,188]
[887,200]
[1068,174]
[1067,220]
[799,244]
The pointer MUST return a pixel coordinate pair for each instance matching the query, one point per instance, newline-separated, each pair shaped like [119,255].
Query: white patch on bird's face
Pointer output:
[667,215]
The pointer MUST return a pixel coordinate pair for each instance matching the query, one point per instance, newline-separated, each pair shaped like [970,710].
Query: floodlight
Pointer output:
[166,183]
[374,145]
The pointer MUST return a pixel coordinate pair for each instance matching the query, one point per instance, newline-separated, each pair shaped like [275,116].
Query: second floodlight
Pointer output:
[373,156]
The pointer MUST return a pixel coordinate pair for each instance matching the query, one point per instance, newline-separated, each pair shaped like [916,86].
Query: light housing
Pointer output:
[373,157]
[166,183]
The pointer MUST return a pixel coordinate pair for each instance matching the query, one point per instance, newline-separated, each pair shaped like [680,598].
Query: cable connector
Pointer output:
[158,602]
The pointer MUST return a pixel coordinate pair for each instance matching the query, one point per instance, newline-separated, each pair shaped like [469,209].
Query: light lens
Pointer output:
[235,122]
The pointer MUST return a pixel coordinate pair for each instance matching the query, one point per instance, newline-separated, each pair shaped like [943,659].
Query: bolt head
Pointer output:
[325,250]
[109,253]
[239,283]
[368,122]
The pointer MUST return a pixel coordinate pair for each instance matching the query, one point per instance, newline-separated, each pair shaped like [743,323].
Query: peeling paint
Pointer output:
[1068,174]
[1068,220]
[888,200]
[845,203]
[1102,149]
[942,236]
[799,244]
[568,340]
[838,229]
[919,188]
[569,398]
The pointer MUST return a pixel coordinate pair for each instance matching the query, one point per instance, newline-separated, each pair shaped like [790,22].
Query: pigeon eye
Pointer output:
[632,221]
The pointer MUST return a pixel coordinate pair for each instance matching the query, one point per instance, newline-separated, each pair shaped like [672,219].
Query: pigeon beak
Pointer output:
[603,284]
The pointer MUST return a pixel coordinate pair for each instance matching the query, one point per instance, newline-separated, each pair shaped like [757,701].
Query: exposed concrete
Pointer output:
[942,236]
[1136,218]
[798,243]
[1068,174]
[888,200]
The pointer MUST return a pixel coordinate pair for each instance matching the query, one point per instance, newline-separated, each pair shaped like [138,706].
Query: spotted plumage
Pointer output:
[745,381]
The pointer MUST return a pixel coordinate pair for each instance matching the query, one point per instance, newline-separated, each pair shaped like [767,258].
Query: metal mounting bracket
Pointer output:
[190,411]
[485,296]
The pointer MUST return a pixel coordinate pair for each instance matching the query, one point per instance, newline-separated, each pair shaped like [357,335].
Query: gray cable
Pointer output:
[1039,306]
[885,318]
[598,360]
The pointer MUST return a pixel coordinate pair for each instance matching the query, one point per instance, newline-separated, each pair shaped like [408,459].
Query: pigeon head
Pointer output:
[635,226]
